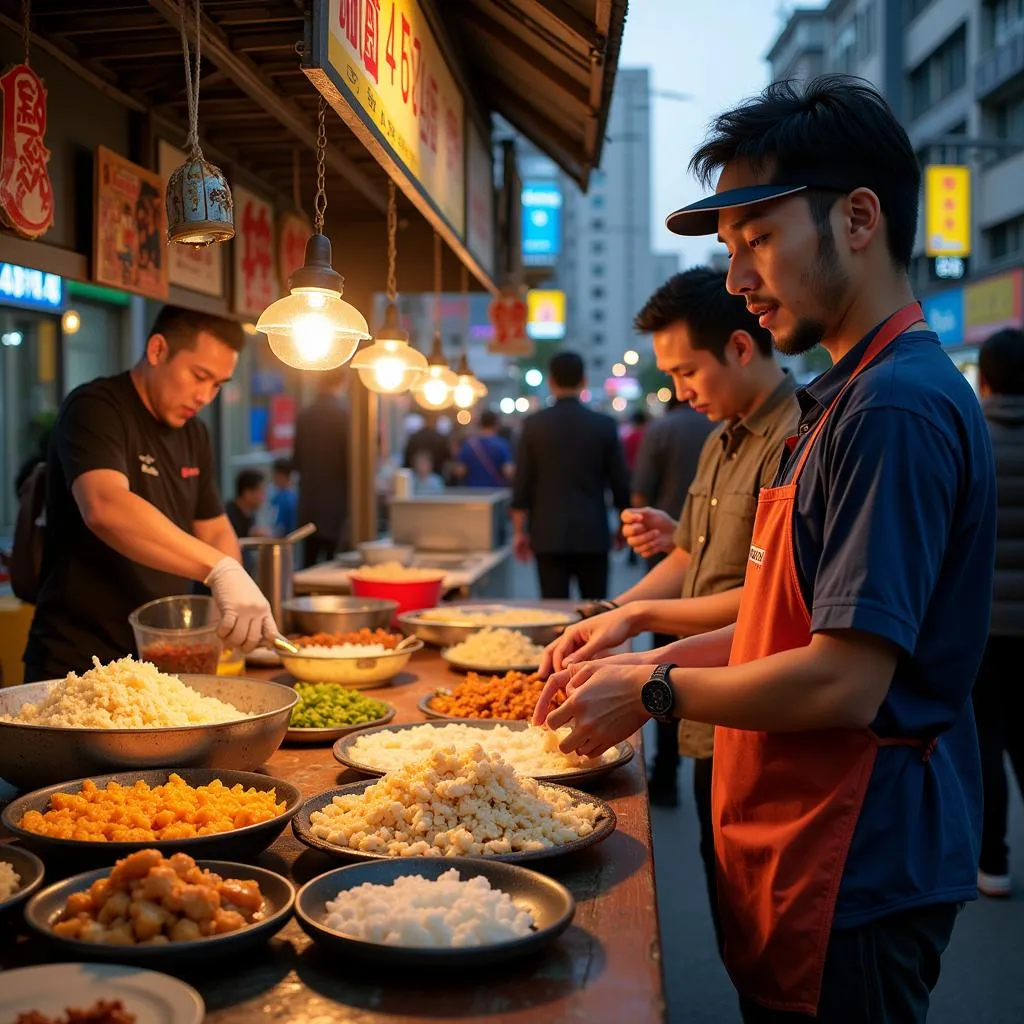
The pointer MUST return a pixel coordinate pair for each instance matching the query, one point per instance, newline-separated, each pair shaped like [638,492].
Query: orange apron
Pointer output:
[785,805]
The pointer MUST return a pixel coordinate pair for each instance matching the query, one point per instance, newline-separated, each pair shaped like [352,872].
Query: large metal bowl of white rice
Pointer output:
[34,755]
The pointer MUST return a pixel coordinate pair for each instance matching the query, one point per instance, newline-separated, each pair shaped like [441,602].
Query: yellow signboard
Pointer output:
[947,204]
[393,70]
[545,314]
[992,305]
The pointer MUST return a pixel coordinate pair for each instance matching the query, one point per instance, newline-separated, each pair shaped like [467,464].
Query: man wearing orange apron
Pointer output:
[846,792]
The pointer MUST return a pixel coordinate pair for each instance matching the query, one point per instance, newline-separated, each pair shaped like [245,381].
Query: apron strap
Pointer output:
[896,325]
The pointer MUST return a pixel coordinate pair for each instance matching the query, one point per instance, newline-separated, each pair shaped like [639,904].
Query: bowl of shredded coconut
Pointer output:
[531,750]
[127,714]
[433,912]
[453,803]
[495,649]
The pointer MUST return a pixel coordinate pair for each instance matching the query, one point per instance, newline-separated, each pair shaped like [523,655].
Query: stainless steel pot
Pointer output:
[270,561]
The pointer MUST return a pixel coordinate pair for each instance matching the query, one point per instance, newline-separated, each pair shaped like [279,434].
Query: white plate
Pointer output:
[487,670]
[52,988]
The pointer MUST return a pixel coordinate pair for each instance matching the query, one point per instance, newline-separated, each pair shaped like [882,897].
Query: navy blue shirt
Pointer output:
[485,458]
[895,536]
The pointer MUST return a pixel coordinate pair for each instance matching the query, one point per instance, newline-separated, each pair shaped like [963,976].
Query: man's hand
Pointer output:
[245,617]
[602,705]
[587,639]
[555,682]
[648,531]
[521,547]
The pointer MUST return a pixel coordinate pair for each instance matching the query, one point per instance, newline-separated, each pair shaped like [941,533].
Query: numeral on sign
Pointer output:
[406,76]
[389,50]
[417,76]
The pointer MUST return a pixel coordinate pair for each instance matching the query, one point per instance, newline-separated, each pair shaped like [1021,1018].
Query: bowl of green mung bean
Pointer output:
[326,711]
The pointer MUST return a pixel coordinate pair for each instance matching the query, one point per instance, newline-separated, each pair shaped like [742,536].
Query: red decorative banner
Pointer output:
[508,315]
[293,232]
[256,285]
[26,192]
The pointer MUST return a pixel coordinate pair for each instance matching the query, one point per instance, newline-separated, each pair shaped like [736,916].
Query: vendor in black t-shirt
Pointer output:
[132,508]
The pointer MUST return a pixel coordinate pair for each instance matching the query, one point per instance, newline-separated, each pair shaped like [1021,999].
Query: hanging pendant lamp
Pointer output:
[313,327]
[199,206]
[390,365]
[434,390]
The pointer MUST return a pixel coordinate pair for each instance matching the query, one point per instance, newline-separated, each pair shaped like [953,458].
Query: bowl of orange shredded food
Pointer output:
[151,908]
[199,810]
[509,697]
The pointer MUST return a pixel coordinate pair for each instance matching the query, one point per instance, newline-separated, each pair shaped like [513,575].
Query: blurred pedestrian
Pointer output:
[484,459]
[250,496]
[321,459]
[429,439]
[998,694]
[632,439]
[284,500]
[569,458]
[425,480]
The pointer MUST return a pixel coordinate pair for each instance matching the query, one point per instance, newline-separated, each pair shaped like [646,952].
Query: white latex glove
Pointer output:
[245,617]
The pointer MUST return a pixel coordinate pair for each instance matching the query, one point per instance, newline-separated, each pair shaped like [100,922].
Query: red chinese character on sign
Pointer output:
[26,192]
[293,233]
[348,20]
[256,264]
[371,38]
[453,147]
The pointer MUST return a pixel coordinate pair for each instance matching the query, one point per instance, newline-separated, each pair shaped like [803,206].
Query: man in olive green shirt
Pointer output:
[722,363]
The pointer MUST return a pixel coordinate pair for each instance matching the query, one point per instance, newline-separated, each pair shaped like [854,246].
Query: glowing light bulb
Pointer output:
[389,373]
[664,394]
[435,391]
[619,370]
[464,394]
[70,322]
[312,335]
[619,404]
[465,417]
[631,357]
[522,405]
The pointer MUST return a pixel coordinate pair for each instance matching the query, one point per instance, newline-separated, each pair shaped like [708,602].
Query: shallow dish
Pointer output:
[37,755]
[449,632]
[623,751]
[302,828]
[278,902]
[51,989]
[376,552]
[458,665]
[247,841]
[551,903]
[352,670]
[28,867]
[329,734]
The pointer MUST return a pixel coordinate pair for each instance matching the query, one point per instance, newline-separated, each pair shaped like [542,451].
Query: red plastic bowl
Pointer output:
[411,595]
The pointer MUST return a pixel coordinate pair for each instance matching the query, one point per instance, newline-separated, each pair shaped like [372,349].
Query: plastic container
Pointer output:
[179,634]
[411,595]
[232,662]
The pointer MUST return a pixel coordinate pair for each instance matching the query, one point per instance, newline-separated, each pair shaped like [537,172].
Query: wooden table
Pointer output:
[605,968]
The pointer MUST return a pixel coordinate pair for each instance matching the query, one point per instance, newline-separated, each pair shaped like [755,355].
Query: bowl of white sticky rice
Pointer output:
[127,714]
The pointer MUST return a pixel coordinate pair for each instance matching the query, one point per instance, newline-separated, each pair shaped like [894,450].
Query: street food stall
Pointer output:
[597,959]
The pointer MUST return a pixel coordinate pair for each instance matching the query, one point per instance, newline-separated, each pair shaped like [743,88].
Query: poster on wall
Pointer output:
[129,240]
[200,269]
[255,269]
[293,231]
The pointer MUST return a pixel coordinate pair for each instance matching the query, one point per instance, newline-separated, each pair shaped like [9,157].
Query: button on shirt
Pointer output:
[895,536]
[737,460]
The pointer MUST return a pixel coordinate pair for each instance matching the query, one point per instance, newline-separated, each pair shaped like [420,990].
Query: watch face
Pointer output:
[657,697]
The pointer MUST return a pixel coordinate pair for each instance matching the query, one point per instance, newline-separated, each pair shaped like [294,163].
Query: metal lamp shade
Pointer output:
[199,206]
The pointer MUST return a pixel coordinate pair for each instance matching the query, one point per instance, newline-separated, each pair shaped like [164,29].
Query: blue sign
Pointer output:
[33,289]
[542,222]
[945,313]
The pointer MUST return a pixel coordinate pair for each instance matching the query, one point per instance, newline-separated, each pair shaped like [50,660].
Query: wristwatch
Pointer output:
[658,696]
[595,608]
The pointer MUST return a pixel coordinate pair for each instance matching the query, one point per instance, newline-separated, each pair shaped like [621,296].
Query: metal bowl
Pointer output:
[356,671]
[32,756]
[376,552]
[327,613]
[245,842]
[449,632]
[549,902]
[43,910]
[29,869]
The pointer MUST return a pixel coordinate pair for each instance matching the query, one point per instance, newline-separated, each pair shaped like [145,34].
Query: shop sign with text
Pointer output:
[255,269]
[991,305]
[26,192]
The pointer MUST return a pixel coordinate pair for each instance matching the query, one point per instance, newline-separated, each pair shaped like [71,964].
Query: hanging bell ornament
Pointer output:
[199,206]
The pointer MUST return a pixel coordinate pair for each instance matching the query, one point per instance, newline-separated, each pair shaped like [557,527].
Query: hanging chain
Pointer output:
[392,285]
[437,282]
[192,82]
[320,203]
[464,285]
[26,27]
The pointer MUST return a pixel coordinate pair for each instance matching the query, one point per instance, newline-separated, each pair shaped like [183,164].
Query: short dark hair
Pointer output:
[248,480]
[283,466]
[699,299]
[488,419]
[833,126]
[638,417]
[566,370]
[181,328]
[1001,362]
